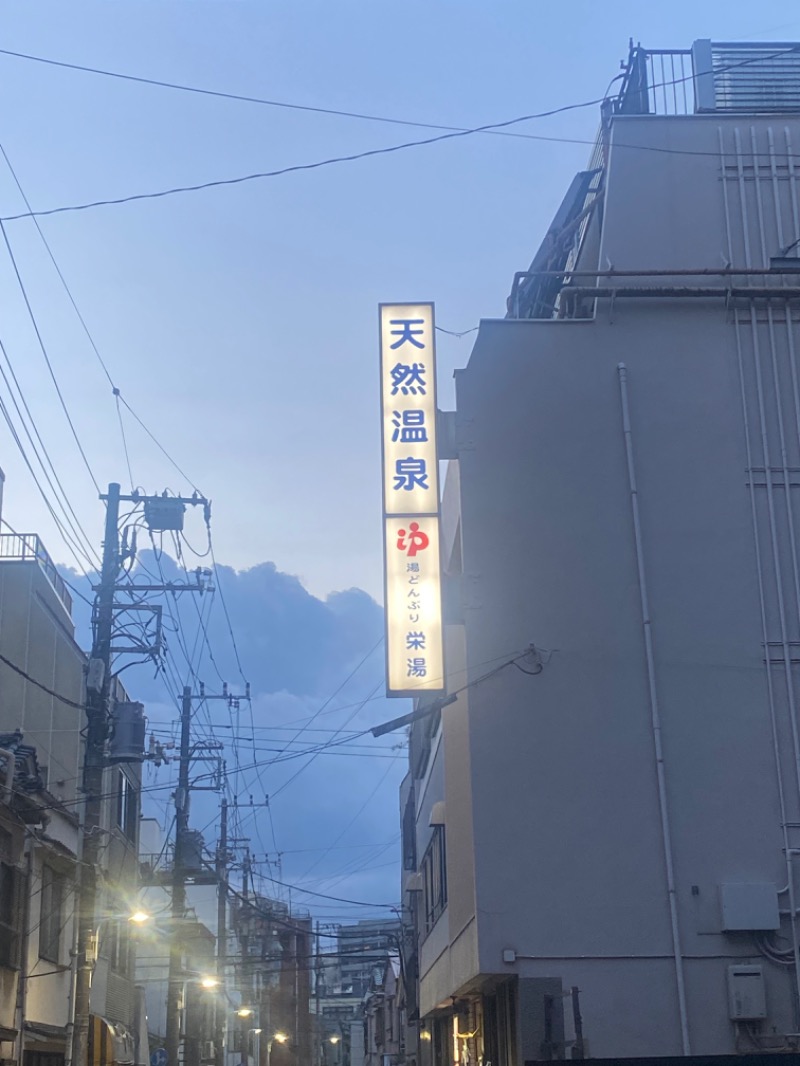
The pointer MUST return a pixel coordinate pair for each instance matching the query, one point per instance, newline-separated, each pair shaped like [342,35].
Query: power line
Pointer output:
[124,440]
[43,348]
[221,94]
[116,391]
[38,684]
[450,135]
[354,819]
[69,584]
[71,539]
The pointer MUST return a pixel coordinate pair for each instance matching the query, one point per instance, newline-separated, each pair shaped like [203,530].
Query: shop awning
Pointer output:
[110,1044]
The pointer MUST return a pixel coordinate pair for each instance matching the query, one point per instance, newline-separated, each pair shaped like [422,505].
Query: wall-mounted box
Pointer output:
[749,907]
[747,997]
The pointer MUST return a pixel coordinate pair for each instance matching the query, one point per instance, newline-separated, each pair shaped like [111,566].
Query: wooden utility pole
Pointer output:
[176,944]
[222,932]
[160,513]
[98,690]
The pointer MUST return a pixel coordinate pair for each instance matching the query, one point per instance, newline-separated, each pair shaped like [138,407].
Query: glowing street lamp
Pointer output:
[139,917]
[245,1012]
[209,982]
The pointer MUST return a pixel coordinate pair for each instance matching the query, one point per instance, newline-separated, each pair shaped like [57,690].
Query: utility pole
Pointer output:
[175,979]
[181,871]
[317,994]
[247,981]
[98,690]
[222,932]
[160,513]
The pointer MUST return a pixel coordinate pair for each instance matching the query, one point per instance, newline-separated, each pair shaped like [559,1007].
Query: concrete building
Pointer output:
[41,718]
[277,961]
[384,1031]
[345,978]
[601,833]
[363,948]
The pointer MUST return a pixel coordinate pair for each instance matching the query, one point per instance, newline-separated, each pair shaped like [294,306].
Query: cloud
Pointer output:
[316,673]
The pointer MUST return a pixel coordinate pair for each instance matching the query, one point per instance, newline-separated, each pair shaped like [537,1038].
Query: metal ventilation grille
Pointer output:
[762,79]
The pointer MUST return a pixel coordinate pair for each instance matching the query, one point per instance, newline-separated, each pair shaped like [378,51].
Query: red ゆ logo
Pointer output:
[412,541]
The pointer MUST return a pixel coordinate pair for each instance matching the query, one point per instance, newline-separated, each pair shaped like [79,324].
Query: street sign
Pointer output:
[412,565]
[158,1057]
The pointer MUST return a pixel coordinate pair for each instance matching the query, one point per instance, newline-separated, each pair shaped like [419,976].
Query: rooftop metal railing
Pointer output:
[710,76]
[657,81]
[28,548]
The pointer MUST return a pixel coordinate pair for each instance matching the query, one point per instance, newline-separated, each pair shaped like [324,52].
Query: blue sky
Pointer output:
[241,322]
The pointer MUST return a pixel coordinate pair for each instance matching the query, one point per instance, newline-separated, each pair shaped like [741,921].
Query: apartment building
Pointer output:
[41,717]
[600,835]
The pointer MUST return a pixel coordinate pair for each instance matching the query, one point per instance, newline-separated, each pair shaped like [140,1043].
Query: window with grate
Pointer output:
[434,878]
[127,806]
[10,896]
[52,920]
[410,834]
[119,947]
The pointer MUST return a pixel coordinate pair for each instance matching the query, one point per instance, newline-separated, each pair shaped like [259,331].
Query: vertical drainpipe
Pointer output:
[22,973]
[655,716]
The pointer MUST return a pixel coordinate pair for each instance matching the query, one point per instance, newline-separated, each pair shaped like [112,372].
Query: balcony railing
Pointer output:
[710,76]
[28,548]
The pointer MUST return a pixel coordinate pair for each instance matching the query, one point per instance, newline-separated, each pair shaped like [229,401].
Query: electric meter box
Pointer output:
[747,997]
[749,907]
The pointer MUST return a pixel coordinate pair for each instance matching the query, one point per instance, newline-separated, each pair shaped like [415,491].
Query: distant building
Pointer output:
[41,720]
[384,1032]
[345,980]
[362,948]
[277,961]
[600,841]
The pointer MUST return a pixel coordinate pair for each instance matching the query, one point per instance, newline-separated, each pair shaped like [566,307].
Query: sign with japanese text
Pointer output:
[414,657]
[408,392]
[414,638]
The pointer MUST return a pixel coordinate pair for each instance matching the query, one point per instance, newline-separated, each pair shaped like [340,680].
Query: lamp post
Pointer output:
[191,1016]
[281,1039]
[335,1039]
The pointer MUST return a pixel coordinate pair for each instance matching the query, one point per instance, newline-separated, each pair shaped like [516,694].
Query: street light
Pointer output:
[280,1037]
[245,1012]
[139,917]
[209,982]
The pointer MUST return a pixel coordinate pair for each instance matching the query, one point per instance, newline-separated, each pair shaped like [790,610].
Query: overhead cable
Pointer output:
[450,135]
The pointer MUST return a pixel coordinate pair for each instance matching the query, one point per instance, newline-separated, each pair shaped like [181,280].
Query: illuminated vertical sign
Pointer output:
[412,563]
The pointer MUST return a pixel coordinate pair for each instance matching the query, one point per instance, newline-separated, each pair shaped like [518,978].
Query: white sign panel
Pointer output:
[414,657]
[408,396]
[414,644]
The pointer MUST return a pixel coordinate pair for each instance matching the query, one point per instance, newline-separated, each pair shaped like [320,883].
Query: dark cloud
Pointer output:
[334,814]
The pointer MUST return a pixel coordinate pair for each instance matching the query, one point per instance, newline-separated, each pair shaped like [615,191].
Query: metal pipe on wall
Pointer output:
[773,713]
[655,715]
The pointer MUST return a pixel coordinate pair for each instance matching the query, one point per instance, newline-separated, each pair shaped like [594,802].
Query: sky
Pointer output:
[240,322]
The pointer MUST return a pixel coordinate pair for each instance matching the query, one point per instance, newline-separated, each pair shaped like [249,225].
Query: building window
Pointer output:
[410,834]
[119,947]
[52,918]
[127,806]
[434,878]
[9,915]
